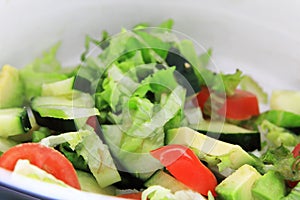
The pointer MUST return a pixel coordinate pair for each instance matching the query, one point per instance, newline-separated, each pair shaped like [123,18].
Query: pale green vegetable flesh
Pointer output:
[11,87]
[88,183]
[261,188]
[238,185]
[11,121]
[286,100]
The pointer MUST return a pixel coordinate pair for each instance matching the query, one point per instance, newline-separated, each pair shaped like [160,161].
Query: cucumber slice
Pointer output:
[165,180]
[215,152]
[13,121]
[73,100]
[63,119]
[249,140]
[66,87]
[63,113]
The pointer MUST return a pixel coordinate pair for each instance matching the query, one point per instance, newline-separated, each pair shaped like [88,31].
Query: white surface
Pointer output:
[260,37]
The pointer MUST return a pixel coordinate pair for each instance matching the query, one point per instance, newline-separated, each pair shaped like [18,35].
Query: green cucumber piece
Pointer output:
[75,99]
[6,144]
[66,86]
[249,140]
[165,180]
[61,120]
[215,152]
[13,121]
[88,183]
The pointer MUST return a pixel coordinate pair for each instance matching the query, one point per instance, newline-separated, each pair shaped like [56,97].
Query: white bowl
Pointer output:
[261,38]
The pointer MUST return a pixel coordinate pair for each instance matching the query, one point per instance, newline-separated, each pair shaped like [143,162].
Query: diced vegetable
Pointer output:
[249,140]
[177,159]
[239,184]
[13,121]
[11,87]
[241,105]
[213,151]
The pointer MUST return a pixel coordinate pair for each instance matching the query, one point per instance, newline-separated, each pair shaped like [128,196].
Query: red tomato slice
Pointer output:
[240,106]
[137,196]
[185,166]
[46,158]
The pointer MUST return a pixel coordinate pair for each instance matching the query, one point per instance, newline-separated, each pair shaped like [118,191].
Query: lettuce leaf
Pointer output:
[159,192]
[281,159]
[277,136]
[42,70]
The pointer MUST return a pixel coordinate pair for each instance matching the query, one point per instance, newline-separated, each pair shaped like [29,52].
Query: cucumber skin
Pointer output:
[56,124]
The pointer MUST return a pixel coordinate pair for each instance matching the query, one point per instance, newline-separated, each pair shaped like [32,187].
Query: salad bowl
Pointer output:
[260,38]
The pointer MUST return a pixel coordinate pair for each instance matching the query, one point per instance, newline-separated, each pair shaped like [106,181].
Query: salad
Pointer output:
[143,116]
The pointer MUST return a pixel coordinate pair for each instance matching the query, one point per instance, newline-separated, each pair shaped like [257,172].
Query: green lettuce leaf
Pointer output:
[99,160]
[42,70]
[158,192]
[277,136]
[281,159]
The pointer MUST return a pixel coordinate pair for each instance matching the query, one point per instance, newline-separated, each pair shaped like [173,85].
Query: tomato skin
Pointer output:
[185,166]
[137,196]
[296,150]
[46,158]
[202,97]
[240,106]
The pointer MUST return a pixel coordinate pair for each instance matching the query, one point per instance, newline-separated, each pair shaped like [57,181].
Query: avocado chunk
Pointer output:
[238,185]
[287,100]
[11,87]
[214,152]
[261,188]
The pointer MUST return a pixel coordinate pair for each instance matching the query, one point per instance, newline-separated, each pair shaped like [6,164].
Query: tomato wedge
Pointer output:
[46,158]
[240,106]
[185,166]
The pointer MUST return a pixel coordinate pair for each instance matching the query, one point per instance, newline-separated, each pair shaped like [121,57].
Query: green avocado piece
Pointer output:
[287,100]
[238,185]
[11,87]
[261,188]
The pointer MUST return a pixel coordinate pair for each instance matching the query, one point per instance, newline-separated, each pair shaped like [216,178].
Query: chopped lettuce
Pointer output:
[281,159]
[42,70]
[23,167]
[96,154]
[99,160]
[277,136]
[158,192]
[73,138]
[249,84]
